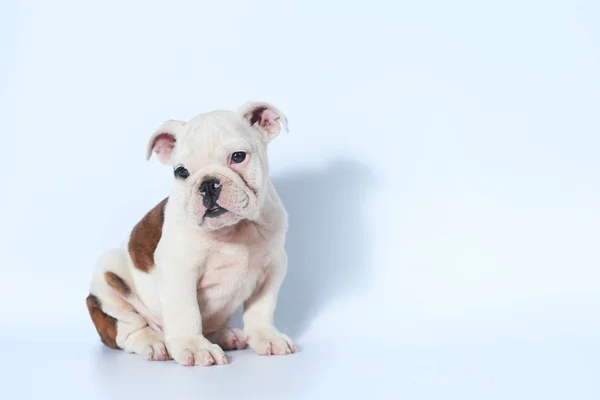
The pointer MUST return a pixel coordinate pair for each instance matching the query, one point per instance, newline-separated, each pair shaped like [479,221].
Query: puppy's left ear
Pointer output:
[265,117]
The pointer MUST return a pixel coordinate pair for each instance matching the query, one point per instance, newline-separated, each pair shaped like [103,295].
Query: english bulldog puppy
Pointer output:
[213,246]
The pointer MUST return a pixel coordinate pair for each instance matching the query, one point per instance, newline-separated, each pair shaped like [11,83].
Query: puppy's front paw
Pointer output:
[196,351]
[270,342]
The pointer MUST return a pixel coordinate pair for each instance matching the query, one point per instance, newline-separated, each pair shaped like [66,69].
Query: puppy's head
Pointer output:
[219,162]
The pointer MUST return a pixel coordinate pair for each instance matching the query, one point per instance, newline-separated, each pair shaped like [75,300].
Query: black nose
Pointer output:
[210,189]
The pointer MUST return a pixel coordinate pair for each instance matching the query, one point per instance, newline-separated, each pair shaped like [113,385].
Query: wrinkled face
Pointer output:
[219,170]
[219,162]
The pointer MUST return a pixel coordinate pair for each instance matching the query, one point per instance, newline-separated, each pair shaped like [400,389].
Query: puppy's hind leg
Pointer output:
[228,338]
[111,306]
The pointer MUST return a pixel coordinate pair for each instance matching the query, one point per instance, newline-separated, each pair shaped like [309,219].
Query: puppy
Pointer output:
[215,244]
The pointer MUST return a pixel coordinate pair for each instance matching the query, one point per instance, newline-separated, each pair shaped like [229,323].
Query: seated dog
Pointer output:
[215,244]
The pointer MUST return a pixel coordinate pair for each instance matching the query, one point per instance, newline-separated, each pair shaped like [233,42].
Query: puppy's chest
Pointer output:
[232,273]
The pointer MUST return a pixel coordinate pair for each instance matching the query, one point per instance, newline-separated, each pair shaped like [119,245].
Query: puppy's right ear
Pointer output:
[163,140]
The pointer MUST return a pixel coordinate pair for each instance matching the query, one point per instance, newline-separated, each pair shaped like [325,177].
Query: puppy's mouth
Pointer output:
[214,212]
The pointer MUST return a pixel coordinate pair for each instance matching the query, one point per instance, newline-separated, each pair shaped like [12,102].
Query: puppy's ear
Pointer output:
[265,117]
[163,140]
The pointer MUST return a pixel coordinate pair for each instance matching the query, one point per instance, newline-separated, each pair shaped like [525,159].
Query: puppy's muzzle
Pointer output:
[210,188]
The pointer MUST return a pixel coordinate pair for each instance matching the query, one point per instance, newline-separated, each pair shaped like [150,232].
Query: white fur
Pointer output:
[207,268]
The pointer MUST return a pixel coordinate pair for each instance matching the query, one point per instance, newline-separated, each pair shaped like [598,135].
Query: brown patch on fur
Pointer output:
[145,237]
[117,283]
[104,323]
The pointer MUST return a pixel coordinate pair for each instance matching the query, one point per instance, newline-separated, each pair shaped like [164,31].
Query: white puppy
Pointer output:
[215,244]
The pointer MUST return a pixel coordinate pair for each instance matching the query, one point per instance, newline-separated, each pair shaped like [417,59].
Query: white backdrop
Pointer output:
[441,174]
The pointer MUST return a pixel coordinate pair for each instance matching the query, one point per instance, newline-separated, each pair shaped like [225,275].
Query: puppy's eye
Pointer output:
[238,157]
[181,172]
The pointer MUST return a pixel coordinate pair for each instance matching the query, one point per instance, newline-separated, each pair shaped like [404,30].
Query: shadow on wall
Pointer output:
[325,242]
